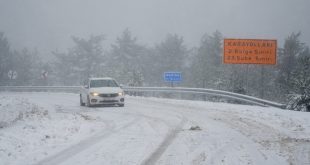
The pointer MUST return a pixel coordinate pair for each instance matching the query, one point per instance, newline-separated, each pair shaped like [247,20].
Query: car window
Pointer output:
[103,83]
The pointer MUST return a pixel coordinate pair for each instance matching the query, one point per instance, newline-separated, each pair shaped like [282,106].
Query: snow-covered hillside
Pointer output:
[51,128]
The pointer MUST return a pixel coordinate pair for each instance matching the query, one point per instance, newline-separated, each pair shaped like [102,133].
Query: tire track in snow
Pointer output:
[87,143]
[237,149]
[155,156]
[83,145]
[250,152]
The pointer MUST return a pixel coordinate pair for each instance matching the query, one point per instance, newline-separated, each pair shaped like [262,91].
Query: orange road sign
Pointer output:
[250,51]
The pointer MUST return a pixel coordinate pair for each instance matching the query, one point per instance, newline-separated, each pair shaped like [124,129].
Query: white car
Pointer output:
[101,91]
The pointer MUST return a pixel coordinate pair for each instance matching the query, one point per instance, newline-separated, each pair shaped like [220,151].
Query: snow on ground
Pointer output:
[30,132]
[51,128]
[277,133]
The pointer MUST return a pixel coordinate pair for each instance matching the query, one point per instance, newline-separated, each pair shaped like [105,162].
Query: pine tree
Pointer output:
[27,64]
[288,61]
[82,61]
[127,58]
[5,59]
[169,56]
[207,67]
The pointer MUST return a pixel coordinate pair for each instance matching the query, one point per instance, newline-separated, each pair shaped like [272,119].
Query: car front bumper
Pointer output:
[97,100]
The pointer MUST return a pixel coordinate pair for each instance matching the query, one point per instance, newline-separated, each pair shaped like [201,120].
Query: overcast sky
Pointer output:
[48,24]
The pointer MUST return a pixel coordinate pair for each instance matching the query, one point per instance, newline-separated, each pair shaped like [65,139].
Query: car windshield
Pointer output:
[102,83]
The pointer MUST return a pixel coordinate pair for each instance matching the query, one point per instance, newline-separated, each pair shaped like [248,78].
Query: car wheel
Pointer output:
[81,101]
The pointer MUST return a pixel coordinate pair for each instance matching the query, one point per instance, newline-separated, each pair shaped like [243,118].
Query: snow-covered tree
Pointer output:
[5,55]
[294,72]
[207,68]
[169,55]
[88,54]
[126,58]
[288,61]
[26,64]
[300,82]
[82,61]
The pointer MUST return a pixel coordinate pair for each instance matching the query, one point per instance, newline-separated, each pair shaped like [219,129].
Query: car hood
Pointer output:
[106,90]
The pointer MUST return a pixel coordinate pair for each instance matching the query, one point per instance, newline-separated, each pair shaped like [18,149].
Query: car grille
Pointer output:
[109,95]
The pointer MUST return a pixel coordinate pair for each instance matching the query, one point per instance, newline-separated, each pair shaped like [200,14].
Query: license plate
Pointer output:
[108,99]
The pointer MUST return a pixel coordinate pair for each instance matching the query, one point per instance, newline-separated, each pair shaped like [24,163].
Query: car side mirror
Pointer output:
[86,86]
[121,85]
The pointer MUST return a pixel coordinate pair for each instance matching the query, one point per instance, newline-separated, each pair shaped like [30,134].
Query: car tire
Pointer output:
[81,101]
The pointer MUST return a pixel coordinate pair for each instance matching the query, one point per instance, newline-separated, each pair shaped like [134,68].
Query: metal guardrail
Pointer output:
[224,94]
[40,88]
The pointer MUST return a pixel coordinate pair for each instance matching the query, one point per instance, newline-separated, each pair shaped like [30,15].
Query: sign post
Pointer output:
[172,77]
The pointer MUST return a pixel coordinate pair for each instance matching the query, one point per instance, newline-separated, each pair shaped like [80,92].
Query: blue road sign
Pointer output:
[173,76]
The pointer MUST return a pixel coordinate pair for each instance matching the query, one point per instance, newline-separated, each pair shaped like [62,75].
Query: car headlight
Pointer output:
[121,94]
[94,93]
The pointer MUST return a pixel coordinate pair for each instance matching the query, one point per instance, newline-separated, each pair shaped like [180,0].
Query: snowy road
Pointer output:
[51,128]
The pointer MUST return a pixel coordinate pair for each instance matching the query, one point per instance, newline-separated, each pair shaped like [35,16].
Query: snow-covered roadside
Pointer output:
[29,132]
[282,135]
[293,123]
